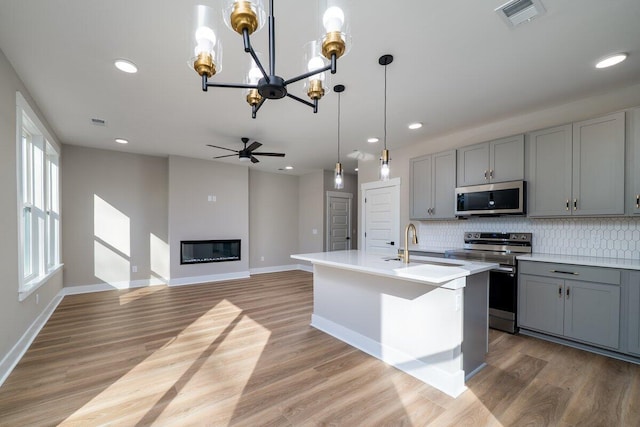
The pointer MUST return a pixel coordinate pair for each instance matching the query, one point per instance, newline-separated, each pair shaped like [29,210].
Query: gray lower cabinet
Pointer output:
[432,186]
[584,307]
[494,161]
[578,169]
[633,313]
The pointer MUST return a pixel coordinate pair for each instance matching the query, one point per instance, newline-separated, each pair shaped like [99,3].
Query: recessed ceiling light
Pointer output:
[372,140]
[288,167]
[416,125]
[126,66]
[611,60]
[122,141]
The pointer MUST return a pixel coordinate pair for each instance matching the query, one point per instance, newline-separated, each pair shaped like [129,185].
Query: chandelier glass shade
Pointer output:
[261,82]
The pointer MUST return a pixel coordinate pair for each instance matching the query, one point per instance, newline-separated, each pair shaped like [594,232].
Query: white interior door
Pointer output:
[338,221]
[381,216]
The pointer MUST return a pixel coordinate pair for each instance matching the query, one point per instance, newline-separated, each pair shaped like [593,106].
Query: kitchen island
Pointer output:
[427,318]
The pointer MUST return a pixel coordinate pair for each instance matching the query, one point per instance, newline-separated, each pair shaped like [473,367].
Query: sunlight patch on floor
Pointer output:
[137,293]
[207,383]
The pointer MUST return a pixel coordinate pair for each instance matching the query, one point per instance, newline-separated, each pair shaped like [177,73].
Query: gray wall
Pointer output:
[115,216]
[311,212]
[15,316]
[273,219]
[193,217]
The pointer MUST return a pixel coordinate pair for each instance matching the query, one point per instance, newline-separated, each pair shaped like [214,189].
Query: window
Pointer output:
[38,200]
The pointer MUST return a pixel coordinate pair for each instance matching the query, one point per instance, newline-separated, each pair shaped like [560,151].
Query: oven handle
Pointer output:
[511,270]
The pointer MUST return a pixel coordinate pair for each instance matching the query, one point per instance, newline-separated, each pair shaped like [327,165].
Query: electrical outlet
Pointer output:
[261,258]
[134,268]
[314,231]
[211,198]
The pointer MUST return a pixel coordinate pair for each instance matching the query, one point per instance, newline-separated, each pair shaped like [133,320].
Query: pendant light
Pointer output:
[338,182]
[384,158]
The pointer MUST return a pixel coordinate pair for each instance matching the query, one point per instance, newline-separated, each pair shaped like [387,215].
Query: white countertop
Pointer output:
[625,264]
[421,269]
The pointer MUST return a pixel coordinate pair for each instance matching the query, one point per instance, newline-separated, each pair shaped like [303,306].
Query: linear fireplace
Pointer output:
[202,251]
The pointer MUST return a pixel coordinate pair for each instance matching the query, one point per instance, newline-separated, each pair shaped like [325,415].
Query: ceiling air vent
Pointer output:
[98,122]
[516,12]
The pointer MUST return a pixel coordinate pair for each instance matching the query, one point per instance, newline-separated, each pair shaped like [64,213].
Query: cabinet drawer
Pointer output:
[571,272]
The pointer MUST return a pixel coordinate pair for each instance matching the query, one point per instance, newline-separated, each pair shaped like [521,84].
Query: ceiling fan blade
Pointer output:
[269,154]
[228,155]
[254,160]
[254,145]
[223,148]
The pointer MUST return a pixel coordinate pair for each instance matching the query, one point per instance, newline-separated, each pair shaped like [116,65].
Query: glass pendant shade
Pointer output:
[314,85]
[253,77]
[384,165]
[205,46]
[336,28]
[241,14]
[338,182]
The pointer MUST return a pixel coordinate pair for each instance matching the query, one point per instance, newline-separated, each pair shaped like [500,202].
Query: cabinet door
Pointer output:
[633,162]
[473,165]
[598,166]
[549,173]
[633,313]
[506,161]
[592,313]
[541,303]
[444,185]
[420,187]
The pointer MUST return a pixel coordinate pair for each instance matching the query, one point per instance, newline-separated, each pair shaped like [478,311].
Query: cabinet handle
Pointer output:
[485,175]
[575,204]
[568,291]
[637,201]
[490,173]
[567,204]
[564,272]
[433,211]
[559,291]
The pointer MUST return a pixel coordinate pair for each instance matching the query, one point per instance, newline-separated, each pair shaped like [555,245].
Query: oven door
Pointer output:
[503,298]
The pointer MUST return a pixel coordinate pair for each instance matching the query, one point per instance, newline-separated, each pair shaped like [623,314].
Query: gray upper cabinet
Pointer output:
[495,161]
[432,186]
[549,173]
[633,162]
[577,169]
[598,166]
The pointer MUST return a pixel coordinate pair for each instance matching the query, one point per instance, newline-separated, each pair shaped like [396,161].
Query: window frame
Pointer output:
[38,200]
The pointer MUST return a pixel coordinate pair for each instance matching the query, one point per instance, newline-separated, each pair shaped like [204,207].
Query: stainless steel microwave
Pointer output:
[502,198]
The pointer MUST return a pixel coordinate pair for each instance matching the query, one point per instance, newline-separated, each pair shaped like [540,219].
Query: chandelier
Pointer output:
[247,16]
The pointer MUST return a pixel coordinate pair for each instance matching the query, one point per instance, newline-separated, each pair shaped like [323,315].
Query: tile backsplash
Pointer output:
[599,237]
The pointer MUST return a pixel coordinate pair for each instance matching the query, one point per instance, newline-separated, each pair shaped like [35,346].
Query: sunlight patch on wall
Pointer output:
[111,226]
[201,360]
[109,266]
[159,256]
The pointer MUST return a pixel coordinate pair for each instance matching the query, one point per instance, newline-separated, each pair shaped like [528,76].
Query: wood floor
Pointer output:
[242,353]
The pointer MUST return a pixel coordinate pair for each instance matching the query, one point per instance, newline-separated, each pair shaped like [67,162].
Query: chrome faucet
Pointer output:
[405,256]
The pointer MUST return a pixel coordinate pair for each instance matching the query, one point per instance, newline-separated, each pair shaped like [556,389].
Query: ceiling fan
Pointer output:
[247,153]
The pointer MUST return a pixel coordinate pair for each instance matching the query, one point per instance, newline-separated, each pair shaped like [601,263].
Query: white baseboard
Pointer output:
[20,348]
[274,269]
[304,267]
[100,287]
[197,280]
[449,383]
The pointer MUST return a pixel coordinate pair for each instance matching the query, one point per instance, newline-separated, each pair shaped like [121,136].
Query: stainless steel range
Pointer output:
[500,248]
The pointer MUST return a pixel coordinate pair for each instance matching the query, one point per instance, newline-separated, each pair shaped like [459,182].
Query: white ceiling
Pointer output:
[456,65]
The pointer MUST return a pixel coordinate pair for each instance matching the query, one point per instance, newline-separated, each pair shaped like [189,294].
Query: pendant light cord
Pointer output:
[385,107]
[338,127]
